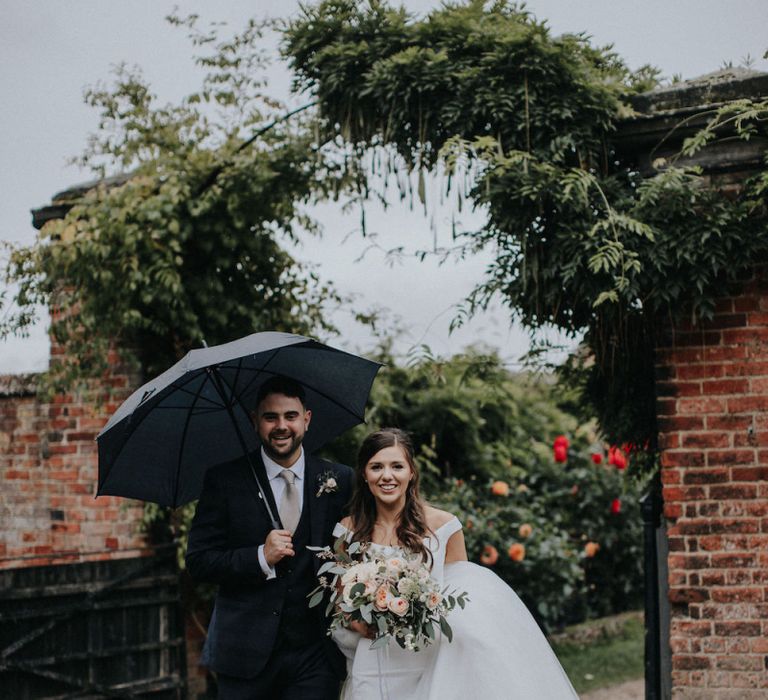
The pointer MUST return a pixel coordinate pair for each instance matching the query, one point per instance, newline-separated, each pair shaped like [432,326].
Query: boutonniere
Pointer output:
[327,483]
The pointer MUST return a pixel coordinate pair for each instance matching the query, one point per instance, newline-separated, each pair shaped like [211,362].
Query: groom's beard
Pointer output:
[285,450]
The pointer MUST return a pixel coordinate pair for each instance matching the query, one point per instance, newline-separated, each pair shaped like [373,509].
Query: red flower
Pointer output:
[562,440]
[617,458]
[616,506]
[561,453]
[597,457]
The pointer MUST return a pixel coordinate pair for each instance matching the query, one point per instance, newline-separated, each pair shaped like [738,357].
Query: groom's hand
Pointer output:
[279,544]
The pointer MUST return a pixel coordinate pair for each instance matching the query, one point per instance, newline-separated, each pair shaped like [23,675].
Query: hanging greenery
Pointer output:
[522,123]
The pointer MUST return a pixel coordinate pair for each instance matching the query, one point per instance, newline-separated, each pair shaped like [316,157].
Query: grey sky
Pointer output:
[50,50]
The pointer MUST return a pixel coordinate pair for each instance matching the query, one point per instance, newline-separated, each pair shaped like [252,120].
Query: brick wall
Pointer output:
[713,430]
[48,469]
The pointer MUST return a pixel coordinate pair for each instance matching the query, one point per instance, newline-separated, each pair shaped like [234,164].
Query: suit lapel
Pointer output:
[260,472]
[316,505]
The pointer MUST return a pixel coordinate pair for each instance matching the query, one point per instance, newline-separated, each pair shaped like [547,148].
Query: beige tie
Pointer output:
[289,504]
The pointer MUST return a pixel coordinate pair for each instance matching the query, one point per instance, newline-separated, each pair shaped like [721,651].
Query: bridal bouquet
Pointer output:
[396,595]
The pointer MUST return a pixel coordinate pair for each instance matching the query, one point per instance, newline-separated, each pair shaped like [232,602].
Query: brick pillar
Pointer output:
[48,471]
[713,433]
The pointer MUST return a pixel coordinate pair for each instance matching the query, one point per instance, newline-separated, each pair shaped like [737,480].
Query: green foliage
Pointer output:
[522,123]
[468,415]
[188,246]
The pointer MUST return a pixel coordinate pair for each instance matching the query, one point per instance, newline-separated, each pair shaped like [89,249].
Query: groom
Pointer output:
[266,642]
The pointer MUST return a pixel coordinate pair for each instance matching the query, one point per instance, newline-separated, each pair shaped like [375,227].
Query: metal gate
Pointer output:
[107,629]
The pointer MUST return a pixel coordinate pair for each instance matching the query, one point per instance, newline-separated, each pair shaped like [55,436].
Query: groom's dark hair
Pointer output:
[280,384]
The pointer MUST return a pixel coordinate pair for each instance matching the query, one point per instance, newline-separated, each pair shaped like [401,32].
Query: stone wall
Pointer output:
[713,431]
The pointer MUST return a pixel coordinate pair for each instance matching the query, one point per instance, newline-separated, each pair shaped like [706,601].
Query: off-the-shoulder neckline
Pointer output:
[447,522]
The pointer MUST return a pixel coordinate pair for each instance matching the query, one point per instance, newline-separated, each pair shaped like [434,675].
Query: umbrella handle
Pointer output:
[217,383]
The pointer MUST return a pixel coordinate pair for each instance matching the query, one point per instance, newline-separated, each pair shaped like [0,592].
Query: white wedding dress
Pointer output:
[498,651]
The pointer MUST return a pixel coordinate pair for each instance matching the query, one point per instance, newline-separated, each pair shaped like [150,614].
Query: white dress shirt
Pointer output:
[277,484]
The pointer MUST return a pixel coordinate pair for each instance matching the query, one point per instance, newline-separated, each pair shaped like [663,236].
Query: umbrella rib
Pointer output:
[257,371]
[184,437]
[195,395]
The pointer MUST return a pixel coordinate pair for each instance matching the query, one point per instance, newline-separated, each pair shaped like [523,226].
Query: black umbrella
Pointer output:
[158,445]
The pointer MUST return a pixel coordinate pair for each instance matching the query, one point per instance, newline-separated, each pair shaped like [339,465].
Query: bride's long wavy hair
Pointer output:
[412,528]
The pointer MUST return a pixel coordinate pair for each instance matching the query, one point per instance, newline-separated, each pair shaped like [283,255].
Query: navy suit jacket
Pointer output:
[230,524]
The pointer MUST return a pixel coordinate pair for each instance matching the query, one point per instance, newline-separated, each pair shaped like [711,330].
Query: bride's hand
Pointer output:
[362,629]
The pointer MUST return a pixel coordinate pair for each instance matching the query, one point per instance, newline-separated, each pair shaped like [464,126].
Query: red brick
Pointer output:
[742,336]
[669,441]
[688,595]
[745,404]
[16,474]
[683,493]
[749,474]
[739,629]
[706,371]
[682,458]
[705,476]
[737,595]
[691,406]
[733,561]
[732,491]
[722,457]
[730,423]
[680,661]
[727,354]
[705,440]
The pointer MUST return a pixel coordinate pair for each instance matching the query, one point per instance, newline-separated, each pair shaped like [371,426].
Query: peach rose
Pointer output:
[399,606]
[383,597]
[433,600]
[591,548]
[490,555]
[517,552]
[500,488]
[525,531]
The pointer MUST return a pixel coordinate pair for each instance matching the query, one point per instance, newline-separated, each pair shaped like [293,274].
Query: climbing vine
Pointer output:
[523,124]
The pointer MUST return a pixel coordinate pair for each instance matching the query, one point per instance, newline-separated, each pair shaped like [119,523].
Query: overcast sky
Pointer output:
[50,50]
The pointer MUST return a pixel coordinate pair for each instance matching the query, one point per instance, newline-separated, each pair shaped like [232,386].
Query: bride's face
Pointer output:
[388,474]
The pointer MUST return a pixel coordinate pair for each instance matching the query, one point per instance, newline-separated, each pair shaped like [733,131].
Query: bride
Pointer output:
[497,652]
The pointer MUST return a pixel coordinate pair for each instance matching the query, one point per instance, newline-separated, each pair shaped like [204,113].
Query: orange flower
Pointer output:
[490,555]
[469,524]
[517,552]
[525,531]
[591,548]
[500,488]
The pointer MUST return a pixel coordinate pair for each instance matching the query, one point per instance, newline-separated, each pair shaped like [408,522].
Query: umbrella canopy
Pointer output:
[159,443]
